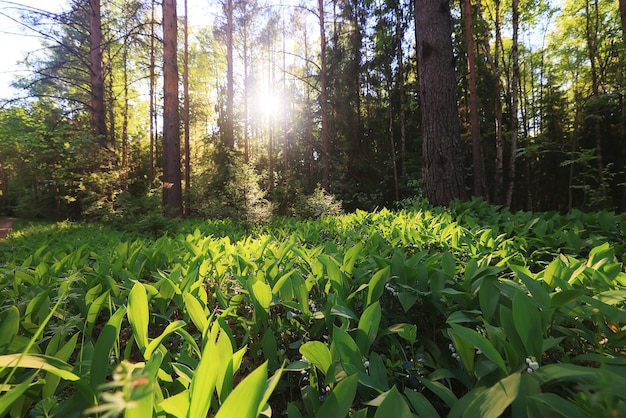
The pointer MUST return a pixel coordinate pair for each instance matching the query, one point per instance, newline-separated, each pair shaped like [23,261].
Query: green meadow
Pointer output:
[469,311]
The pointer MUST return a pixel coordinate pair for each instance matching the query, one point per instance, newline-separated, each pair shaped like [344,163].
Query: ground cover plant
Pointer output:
[463,312]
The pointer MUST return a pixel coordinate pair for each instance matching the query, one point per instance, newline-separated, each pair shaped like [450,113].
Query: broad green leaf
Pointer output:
[350,258]
[177,405]
[14,394]
[441,391]
[368,327]
[263,294]
[196,312]
[539,294]
[489,297]
[138,314]
[480,342]
[205,377]
[420,404]
[245,399]
[344,348]
[339,400]
[154,344]
[94,311]
[528,324]
[39,361]
[100,359]
[317,353]
[377,285]
[559,404]
[394,405]
[9,326]
[492,402]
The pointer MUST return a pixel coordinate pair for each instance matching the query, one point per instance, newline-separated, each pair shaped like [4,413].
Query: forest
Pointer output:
[331,209]
[252,108]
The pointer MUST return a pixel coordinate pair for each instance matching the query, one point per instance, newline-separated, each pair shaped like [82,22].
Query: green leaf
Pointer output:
[480,342]
[94,311]
[205,377]
[344,348]
[420,404]
[560,405]
[492,402]
[15,393]
[39,361]
[9,326]
[394,405]
[377,285]
[368,327]
[138,314]
[489,297]
[339,400]
[196,312]
[528,324]
[263,294]
[177,405]
[245,399]
[100,358]
[317,353]
[154,344]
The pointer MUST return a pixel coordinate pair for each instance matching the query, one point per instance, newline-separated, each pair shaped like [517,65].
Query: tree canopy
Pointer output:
[278,100]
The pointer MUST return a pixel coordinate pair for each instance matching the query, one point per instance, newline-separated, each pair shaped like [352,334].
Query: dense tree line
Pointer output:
[517,101]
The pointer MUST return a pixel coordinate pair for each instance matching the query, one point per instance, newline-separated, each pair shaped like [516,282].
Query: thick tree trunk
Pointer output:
[622,14]
[98,112]
[478,175]
[152,111]
[229,131]
[514,105]
[172,190]
[401,89]
[443,172]
[186,114]
[323,98]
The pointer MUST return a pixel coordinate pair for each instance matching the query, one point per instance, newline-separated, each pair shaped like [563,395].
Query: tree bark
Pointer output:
[187,207]
[229,131]
[98,112]
[442,171]
[323,98]
[401,88]
[152,111]
[478,175]
[514,104]
[172,190]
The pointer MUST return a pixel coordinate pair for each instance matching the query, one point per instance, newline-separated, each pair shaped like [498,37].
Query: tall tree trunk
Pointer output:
[186,113]
[323,98]
[443,172]
[514,104]
[229,130]
[152,110]
[592,28]
[401,88]
[246,94]
[98,112]
[478,175]
[499,140]
[172,190]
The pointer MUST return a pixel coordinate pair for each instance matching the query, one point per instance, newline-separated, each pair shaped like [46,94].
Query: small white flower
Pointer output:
[366,364]
[529,370]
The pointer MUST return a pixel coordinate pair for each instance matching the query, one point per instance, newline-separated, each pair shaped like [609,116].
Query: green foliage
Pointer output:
[319,203]
[469,311]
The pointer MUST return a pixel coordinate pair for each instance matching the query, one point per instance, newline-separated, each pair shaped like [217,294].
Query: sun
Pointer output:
[268,104]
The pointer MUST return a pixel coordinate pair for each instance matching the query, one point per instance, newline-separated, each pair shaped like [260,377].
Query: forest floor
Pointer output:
[5,226]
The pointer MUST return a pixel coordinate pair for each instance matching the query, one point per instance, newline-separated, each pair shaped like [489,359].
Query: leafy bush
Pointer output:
[319,203]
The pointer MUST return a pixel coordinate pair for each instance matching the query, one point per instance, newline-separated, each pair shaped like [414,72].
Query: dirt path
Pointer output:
[5,226]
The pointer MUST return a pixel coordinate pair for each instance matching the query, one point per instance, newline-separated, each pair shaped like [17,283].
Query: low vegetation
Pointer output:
[464,312]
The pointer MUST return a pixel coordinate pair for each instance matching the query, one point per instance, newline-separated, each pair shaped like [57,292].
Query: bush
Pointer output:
[319,203]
